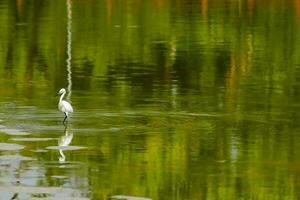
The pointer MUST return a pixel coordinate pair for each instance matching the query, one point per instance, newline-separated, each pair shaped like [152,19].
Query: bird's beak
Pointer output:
[57,94]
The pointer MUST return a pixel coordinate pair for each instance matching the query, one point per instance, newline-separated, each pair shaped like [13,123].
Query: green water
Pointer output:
[183,100]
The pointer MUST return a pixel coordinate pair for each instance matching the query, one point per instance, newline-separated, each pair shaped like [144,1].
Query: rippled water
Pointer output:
[178,100]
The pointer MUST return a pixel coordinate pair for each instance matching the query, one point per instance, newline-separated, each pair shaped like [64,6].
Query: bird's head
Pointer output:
[61,91]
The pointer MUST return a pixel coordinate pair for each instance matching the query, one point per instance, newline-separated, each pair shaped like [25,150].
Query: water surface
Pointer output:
[174,100]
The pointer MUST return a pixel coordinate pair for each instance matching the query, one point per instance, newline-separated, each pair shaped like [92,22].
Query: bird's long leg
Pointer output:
[65,118]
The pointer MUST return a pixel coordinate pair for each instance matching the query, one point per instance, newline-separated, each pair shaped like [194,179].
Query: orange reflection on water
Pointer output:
[297,9]
[204,8]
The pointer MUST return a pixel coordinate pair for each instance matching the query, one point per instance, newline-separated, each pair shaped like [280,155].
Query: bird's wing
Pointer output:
[67,106]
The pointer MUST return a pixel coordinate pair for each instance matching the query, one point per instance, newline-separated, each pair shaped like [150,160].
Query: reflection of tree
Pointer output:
[297,8]
[204,8]
[83,75]
[69,48]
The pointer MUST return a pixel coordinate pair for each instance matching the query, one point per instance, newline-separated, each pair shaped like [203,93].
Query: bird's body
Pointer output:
[63,105]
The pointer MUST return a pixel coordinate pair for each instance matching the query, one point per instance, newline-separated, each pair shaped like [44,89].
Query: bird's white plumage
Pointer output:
[63,105]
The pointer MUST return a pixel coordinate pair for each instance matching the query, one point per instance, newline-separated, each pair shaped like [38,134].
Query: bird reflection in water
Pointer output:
[63,142]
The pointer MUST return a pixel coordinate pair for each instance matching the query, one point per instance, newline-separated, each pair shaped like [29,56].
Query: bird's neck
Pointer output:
[62,96]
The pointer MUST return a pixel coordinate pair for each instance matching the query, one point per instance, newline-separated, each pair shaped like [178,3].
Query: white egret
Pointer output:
[63,105]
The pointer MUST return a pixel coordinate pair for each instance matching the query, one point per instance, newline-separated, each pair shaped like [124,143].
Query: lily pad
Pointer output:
[65,148]
[10,147]
[32,139]
[14,157]
[11,131]
[124,197]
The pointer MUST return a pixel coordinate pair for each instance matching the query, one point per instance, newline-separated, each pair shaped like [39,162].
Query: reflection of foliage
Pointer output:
[237,59]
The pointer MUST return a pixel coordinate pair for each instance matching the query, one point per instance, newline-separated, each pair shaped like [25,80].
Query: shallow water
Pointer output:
[173,100]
